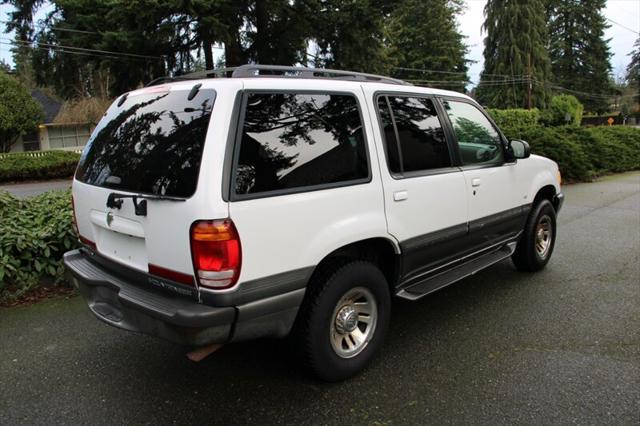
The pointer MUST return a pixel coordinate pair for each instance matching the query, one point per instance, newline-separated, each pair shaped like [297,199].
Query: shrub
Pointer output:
[584,153]
[37,165]
[563,110]
[514,121]
[82,110]
[562,145]
[614,148]
[34,234]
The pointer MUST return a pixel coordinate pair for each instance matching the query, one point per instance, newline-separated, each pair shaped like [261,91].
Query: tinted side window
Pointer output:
[478,140]
[422,143]
[388,129]
[298,140]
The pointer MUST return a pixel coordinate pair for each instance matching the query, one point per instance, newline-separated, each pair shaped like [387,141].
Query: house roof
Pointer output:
[50,106]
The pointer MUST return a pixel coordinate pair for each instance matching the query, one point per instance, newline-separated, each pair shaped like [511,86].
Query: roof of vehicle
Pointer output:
[281,77]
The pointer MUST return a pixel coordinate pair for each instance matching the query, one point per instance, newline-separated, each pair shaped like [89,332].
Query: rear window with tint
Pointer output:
[293,140]
[150,144]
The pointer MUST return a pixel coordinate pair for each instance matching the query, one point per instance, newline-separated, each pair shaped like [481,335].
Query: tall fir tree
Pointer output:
[21,22]
[516,61]
[579,52]
[633,73]
[423,35]
[349,33]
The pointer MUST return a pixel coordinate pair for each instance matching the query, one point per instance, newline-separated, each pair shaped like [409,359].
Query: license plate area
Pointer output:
[122,248]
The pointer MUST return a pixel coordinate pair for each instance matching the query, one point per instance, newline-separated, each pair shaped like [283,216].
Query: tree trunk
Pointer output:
[233,55]
[262,32]
[208,55]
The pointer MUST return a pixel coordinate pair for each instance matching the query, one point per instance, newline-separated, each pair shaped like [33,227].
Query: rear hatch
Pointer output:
[134,187]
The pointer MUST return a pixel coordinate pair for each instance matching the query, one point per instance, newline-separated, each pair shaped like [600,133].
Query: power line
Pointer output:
[57,50]
[75,31]
[63,29]
[429,71]
[83,49]
[592,95]
[623,26]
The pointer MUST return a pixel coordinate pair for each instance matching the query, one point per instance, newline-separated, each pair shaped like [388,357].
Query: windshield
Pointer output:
[152,144]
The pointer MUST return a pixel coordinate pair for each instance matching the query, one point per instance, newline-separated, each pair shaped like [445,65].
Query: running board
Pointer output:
[443,279]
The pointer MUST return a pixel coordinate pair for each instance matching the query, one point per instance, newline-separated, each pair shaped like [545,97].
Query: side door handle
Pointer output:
[400,195]
[475,182]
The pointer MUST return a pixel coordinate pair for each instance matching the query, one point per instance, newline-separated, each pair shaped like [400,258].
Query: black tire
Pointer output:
[316,323]
[527,257]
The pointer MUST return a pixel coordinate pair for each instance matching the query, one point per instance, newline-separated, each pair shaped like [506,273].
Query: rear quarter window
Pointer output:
[151,144]
[295,141]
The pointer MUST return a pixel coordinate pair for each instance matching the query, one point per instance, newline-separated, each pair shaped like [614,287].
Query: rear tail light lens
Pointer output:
[216,252]
[75,221]
[87,242]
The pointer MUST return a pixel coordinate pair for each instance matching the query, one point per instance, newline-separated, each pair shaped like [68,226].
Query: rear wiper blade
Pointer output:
[115,200]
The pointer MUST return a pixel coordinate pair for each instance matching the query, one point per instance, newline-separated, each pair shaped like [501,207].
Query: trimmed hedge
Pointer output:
[581,152]
[514,121]
[36,165]
[34,234]
[584,153]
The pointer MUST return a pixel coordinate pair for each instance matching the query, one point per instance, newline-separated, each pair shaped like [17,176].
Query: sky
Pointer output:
[625,13]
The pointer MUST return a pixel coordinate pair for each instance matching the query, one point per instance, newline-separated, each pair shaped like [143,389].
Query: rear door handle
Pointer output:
[475,182]
[400,195]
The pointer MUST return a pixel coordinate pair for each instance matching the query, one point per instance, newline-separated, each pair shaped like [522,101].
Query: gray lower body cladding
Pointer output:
[179,319]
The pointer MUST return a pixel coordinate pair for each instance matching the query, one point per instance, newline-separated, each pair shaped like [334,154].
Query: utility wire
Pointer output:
[506,81]
[428,71]
[71,52]
[48,49]
[83,49]
[75,31]
[623,26]
[584,94]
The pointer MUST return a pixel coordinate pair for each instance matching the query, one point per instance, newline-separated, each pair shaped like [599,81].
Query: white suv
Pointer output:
[282,200]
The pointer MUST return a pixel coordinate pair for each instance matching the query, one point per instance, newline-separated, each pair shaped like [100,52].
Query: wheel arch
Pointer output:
[381,251]
[547,192]
[544,186]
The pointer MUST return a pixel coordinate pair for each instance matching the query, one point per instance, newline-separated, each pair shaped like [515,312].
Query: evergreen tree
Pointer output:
[349,33]
[516,61]
[423,34]
[21,21]
[579,52]
[633,72]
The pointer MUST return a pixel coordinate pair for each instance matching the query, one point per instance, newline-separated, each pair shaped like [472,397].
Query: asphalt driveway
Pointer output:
[561,346]
[24,190]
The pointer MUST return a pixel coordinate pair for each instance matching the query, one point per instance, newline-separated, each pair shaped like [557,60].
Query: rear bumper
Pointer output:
[133,307]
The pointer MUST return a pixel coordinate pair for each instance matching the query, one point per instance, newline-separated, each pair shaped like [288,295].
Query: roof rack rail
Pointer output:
[281,71]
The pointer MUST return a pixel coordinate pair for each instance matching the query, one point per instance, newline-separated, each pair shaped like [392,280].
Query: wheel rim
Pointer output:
[353,322]
[544,236]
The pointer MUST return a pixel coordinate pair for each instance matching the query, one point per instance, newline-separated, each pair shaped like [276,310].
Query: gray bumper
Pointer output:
[178,319]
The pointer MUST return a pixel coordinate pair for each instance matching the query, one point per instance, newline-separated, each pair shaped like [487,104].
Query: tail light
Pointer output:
[75,221]
[87,242]
[216,253]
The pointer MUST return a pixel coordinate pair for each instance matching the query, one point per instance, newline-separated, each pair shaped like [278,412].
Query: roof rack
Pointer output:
[280,71]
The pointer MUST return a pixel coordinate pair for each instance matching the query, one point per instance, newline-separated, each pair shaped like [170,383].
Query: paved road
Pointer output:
[561,346]
[24,190]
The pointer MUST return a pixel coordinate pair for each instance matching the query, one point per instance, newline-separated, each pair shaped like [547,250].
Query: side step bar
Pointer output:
[443,279]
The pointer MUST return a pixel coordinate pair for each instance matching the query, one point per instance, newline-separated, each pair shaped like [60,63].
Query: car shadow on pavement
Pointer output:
[264,374]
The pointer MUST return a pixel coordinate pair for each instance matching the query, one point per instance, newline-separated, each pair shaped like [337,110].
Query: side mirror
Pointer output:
[519,149]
